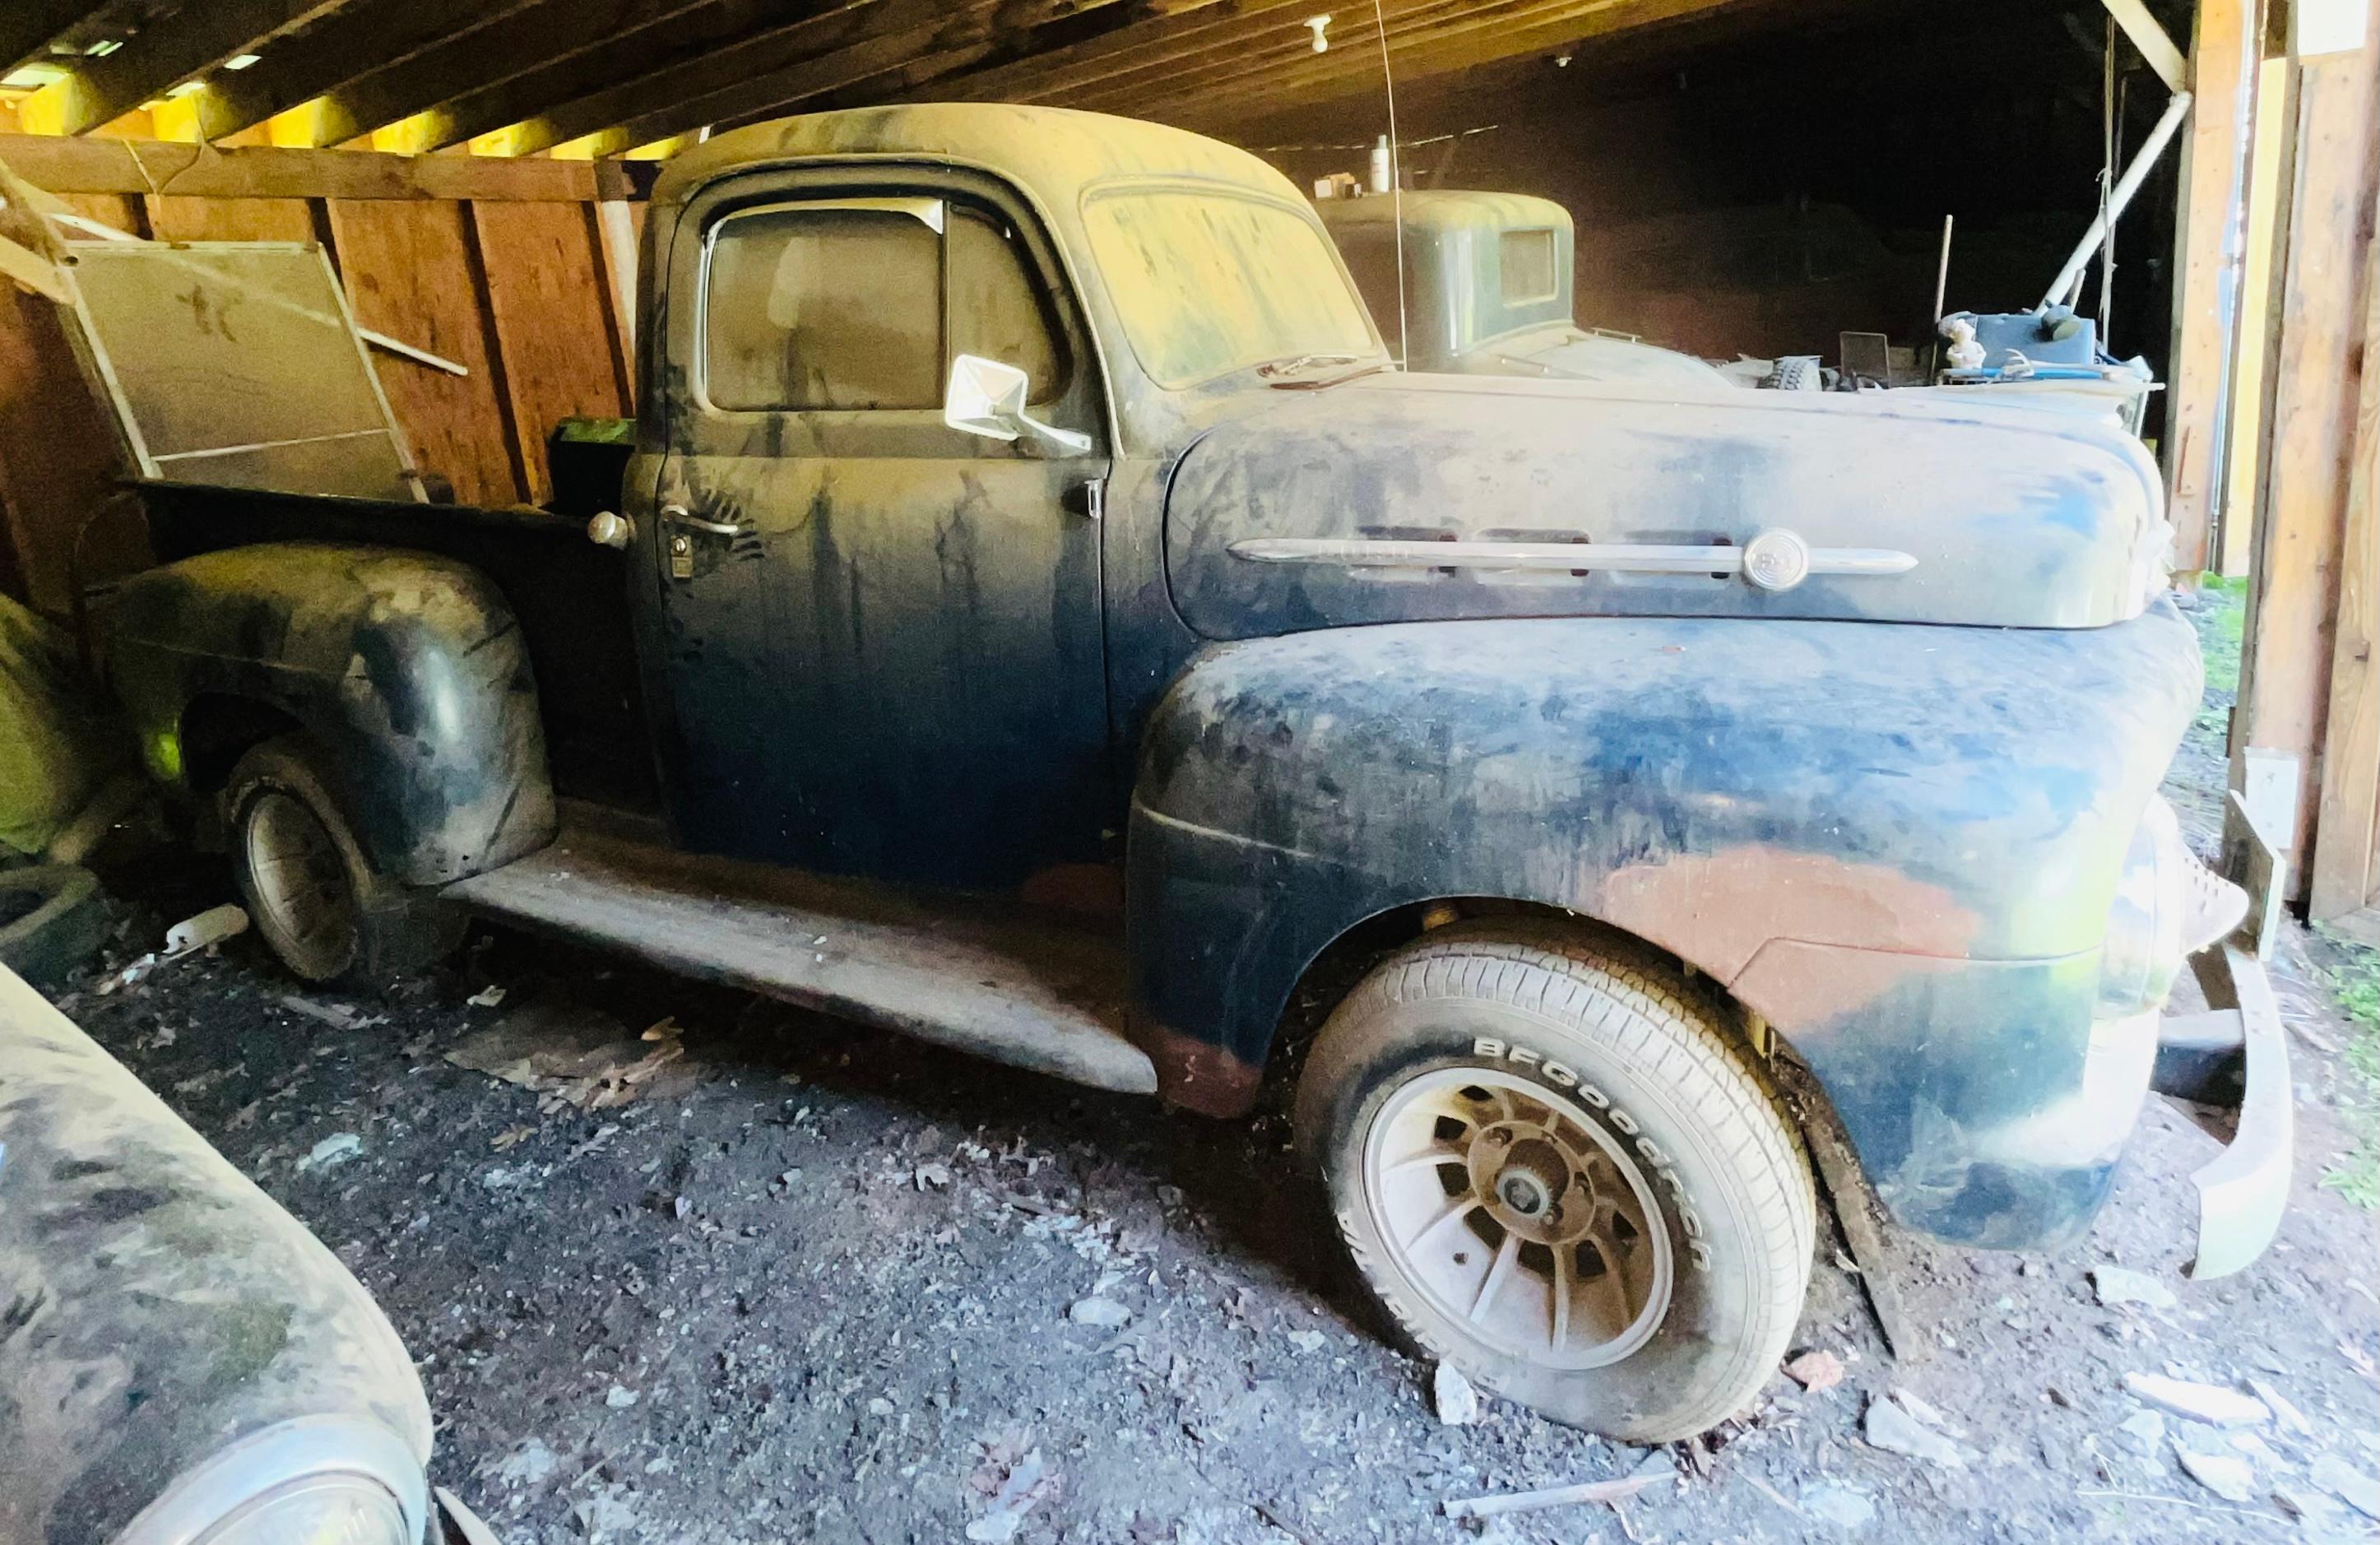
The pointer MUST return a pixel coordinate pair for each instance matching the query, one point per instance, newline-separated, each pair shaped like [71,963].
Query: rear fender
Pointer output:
[1896,844]
[406,670]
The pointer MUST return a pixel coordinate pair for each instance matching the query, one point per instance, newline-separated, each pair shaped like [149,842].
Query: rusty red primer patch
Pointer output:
[1199,1075]
[1751,916]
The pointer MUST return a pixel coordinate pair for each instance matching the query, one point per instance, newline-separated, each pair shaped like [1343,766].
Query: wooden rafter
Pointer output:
[1432,39]
[180,49]
[902,34]
[612,63]
[655,103]
[368,36]
[28,27]
[1140,42]
[513,43]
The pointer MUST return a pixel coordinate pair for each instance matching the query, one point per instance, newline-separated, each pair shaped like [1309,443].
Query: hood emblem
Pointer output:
[1776,559]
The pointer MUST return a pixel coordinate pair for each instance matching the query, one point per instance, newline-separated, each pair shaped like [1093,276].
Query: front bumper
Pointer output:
[2242,1191]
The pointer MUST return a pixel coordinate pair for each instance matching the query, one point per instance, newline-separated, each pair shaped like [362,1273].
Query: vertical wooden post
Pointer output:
[615,232]
[2347,830]
[2210,240]
[2270,166]
[2313,392]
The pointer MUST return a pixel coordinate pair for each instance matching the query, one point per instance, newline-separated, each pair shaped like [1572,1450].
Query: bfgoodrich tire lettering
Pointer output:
[1628,1219]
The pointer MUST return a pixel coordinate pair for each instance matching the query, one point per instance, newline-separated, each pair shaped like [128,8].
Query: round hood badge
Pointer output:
[1777,560]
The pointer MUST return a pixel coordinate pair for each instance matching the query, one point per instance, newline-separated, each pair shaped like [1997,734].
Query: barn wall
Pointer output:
[499,267]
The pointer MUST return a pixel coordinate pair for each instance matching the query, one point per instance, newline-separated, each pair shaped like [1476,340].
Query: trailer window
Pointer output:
[1527,266]
[860,304]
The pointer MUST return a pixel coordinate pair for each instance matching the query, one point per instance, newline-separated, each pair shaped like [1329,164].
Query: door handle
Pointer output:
[678,515]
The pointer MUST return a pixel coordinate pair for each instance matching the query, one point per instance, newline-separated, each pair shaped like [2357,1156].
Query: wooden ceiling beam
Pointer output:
[904,32]
[1268,46]
[1143,67]
[371,36]
[175,52]
[1426,40]
[675,77]
[1182,31]
[28,27]
[614,62]
[521,38]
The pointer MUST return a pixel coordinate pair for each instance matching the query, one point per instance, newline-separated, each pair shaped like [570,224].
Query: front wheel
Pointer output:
[1554,1168]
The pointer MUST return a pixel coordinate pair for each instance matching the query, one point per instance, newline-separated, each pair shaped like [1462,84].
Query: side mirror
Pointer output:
[987,397]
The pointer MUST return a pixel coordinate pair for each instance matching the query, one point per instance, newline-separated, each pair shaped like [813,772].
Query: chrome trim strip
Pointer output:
[2243,1190]
[1550,556]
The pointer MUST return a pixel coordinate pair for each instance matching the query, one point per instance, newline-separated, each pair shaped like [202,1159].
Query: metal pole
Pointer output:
[1942,272]
[2134,174]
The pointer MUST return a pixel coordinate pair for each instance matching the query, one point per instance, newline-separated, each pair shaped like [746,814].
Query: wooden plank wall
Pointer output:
[2346,874]
[2314,384]
[511,270]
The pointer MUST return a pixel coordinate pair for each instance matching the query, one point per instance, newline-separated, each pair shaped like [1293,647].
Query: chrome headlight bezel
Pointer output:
[226,1498]
[2168,907]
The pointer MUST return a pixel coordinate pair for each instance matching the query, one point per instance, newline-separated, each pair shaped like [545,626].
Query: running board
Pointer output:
[1037,995]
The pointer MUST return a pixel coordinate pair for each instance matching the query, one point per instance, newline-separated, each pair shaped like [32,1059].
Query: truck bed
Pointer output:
[570,595]
[1036,994]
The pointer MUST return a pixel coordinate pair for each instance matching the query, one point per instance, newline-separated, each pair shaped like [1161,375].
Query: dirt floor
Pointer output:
[778,1278]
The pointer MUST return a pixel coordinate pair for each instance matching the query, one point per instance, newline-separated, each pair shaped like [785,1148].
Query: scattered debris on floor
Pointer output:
[1656,1469]
[1017,1482]
[332,1151]
[2210,1403]
[203,931]
[1456,1402]
[2115,1286]
[1816,1370]
[1893,1424]
[579,1060]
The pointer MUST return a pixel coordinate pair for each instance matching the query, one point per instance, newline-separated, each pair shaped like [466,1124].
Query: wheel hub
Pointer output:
[1518,1217]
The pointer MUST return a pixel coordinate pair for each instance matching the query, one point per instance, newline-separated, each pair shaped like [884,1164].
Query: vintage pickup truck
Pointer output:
[1037,619]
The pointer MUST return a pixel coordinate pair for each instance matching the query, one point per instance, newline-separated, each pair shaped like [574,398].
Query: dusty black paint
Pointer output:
[408,672]
[1961,795]
[916,658]
[568,594]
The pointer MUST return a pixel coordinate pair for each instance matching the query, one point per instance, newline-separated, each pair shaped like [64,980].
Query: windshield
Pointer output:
[1209,282]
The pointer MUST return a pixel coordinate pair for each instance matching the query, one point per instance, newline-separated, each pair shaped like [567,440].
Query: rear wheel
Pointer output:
[328,914]
[1554,1168]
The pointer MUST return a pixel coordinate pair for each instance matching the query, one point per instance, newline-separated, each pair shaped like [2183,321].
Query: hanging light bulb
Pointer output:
[1318,25]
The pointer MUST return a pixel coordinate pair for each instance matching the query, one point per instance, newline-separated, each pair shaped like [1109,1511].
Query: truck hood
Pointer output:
[1307,509]
[1569,352]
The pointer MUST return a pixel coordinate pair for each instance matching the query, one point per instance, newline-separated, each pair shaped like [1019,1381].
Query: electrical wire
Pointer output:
[1396,176]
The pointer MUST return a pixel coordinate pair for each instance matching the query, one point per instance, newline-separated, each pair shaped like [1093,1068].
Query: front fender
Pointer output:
[407,671]
[1898,844]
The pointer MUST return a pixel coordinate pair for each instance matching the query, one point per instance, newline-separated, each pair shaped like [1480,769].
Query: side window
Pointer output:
[823,308]
[997,309]
[849,307]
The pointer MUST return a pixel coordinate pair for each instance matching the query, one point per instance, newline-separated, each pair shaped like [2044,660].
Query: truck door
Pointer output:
[881,638]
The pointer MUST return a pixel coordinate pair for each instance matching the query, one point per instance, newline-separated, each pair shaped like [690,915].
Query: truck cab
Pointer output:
[1047,624]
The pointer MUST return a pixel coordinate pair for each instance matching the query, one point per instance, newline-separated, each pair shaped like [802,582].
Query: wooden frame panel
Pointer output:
[411,270]
[546,294]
